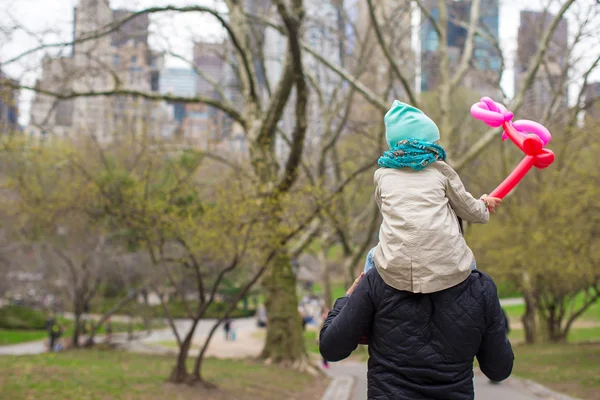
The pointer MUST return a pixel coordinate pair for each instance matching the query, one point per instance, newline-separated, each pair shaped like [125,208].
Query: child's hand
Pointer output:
[492,202]
[355,284]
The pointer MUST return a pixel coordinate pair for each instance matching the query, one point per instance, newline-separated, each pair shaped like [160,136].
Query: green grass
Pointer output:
[17,317]
[592,313]
[91,375]
[176,309]
[310,340]
[15,336]
[568,368]
[576,335]
[338,289]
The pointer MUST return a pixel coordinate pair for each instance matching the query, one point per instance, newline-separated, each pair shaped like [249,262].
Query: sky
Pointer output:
[54,18]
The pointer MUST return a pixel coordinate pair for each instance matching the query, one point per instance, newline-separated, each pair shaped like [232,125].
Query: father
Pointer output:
[421,346]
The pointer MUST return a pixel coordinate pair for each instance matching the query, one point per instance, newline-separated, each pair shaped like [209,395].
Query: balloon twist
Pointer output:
[529,136]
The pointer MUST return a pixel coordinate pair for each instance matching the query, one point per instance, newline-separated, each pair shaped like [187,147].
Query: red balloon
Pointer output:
[514,178]
[532,144]
[535,156]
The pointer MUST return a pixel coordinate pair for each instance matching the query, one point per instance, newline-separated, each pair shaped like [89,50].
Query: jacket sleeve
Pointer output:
[495,353]
[463,203]
[345,325]
[377,189]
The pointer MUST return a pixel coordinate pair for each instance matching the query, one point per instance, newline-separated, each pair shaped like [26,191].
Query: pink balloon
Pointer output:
[526,126]
[492,113]
[529,136]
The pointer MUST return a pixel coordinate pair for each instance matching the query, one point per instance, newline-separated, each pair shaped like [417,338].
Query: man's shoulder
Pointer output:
[480,281]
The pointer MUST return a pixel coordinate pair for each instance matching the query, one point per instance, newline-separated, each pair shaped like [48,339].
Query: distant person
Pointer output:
[303,319]
[54,331]
[232,331]
[227,329]
[108,328]
[261,316]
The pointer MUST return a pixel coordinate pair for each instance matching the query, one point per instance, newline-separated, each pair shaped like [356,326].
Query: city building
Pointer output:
[188,122]
[551,78]
[99,65]
[9,102]
[486,62]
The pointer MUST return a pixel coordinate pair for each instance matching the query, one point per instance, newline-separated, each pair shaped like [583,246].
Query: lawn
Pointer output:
[10,336]
[103,375]
[568,368]
[338,289]
[592,313]
[19,336]
[576,335]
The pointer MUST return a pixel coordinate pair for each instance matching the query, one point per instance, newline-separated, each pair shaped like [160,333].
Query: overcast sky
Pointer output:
[56,16]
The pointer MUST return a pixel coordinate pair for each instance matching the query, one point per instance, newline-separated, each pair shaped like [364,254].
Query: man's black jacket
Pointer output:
[421,346]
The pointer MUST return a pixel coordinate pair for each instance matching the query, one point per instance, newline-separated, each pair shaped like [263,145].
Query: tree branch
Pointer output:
[232,112]
[113,27]
[343,73]
[469,46]
[386,51]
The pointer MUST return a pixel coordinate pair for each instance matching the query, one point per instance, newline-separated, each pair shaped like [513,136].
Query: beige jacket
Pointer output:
[420,248]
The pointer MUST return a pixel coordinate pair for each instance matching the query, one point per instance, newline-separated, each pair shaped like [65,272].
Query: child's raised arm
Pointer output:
[464,204]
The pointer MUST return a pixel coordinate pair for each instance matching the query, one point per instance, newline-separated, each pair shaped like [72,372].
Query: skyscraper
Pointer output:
[122,57]
[550,79]
[486,60]
[134,31]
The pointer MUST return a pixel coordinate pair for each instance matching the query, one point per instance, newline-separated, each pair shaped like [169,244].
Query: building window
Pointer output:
[135,74]
[134,59]
[432,41]
[64,113]
[116,60]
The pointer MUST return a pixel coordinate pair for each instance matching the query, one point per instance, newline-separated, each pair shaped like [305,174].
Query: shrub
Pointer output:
[18,317]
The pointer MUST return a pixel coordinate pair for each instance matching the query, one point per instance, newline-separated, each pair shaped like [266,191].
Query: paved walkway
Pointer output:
[483,389]
[246,345]
[512,302]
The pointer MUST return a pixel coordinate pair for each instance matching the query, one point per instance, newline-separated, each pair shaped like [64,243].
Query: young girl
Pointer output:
[421,248]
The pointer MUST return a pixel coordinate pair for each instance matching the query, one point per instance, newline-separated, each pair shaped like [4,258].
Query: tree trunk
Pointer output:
[179,372]
[77,311]
[327,294]
[196,376]
[552,333]
[285,341]
[529,317]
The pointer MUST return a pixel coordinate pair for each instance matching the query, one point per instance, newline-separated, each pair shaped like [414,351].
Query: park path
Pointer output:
[157,342]
[483,389]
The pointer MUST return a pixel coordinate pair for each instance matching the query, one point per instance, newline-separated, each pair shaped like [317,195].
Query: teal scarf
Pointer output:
[416,154]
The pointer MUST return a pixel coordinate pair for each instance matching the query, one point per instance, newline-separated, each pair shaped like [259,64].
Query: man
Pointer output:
[421,346]
[54,332]
[227,328]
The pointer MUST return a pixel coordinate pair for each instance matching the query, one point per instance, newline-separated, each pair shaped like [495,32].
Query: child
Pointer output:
[421,248]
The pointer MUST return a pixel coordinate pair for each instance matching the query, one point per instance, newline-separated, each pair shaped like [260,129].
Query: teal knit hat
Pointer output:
[406,122]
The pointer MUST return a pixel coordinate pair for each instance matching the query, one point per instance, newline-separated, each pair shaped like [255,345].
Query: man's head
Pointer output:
[406,122]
